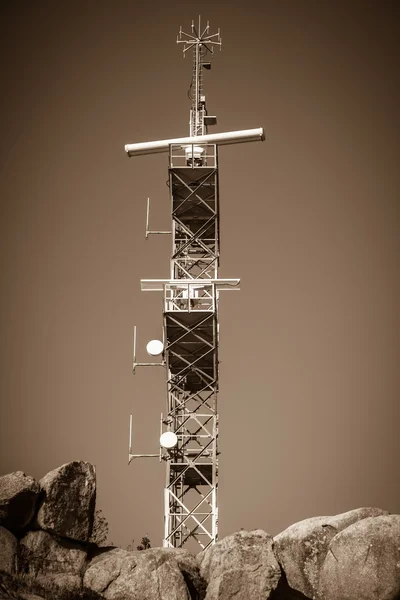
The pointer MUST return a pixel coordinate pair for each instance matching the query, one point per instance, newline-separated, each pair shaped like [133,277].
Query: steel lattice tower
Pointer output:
[189,352]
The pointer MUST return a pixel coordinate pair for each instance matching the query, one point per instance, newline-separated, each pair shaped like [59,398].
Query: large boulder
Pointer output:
[152,574]
[8,551]
[188,567]
[19,494]
[363,562]
[52,561]
[242,565]
[302,547]
[69,501]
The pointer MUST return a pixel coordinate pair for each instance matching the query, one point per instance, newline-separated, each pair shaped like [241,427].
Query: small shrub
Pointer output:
[145,544]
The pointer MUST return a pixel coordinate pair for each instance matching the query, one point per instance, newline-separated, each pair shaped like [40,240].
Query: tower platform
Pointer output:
[201,474]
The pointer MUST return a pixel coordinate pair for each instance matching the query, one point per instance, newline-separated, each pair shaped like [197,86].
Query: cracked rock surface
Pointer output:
[241,566]
[363,562]
[152,574]
[52,560]
[301,549]
[69,500]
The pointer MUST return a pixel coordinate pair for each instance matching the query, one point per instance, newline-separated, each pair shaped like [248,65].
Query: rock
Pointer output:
[242,565]
[8,551]
[363,561]
[52,561]
[19,494]
[69,501]
[149,575]
[7,585]
[302,547]
[13,587]
[191,574]
[285,592]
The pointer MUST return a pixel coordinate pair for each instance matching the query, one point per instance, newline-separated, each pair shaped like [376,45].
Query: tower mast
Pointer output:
[190,348]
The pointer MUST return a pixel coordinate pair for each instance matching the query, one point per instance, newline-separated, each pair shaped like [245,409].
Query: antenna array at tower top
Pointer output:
[199,37]
[202,43]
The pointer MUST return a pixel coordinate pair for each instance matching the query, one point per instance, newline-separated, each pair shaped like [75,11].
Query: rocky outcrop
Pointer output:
[69,500]
[51,560]
[149,575]
[351,556]
[301,549]
[240,566]
[363,562]
[8,551]
[19,495]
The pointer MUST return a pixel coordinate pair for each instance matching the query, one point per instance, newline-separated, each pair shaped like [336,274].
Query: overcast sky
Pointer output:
[309,401]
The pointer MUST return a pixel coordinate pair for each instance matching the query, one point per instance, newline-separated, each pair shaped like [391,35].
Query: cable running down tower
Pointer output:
[190,346]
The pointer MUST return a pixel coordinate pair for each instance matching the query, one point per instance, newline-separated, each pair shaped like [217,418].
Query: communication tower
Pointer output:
[189,350]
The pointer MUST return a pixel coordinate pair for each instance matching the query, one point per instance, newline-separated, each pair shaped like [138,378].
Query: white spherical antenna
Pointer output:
[168,440]
[155,348]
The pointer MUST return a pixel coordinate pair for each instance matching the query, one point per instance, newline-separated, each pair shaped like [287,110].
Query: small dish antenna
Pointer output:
[155,348]
[168,440]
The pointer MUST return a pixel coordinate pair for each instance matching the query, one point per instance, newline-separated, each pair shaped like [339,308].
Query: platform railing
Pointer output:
[189,297]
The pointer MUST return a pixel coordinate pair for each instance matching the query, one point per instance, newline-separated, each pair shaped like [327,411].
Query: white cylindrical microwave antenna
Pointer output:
[168,440]
[155,348]
[229,137]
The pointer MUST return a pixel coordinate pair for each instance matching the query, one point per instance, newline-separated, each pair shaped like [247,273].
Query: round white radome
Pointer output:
[168,440]
[155,348]
[196,151]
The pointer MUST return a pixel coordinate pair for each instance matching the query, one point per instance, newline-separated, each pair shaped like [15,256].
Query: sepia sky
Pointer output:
[309,380]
